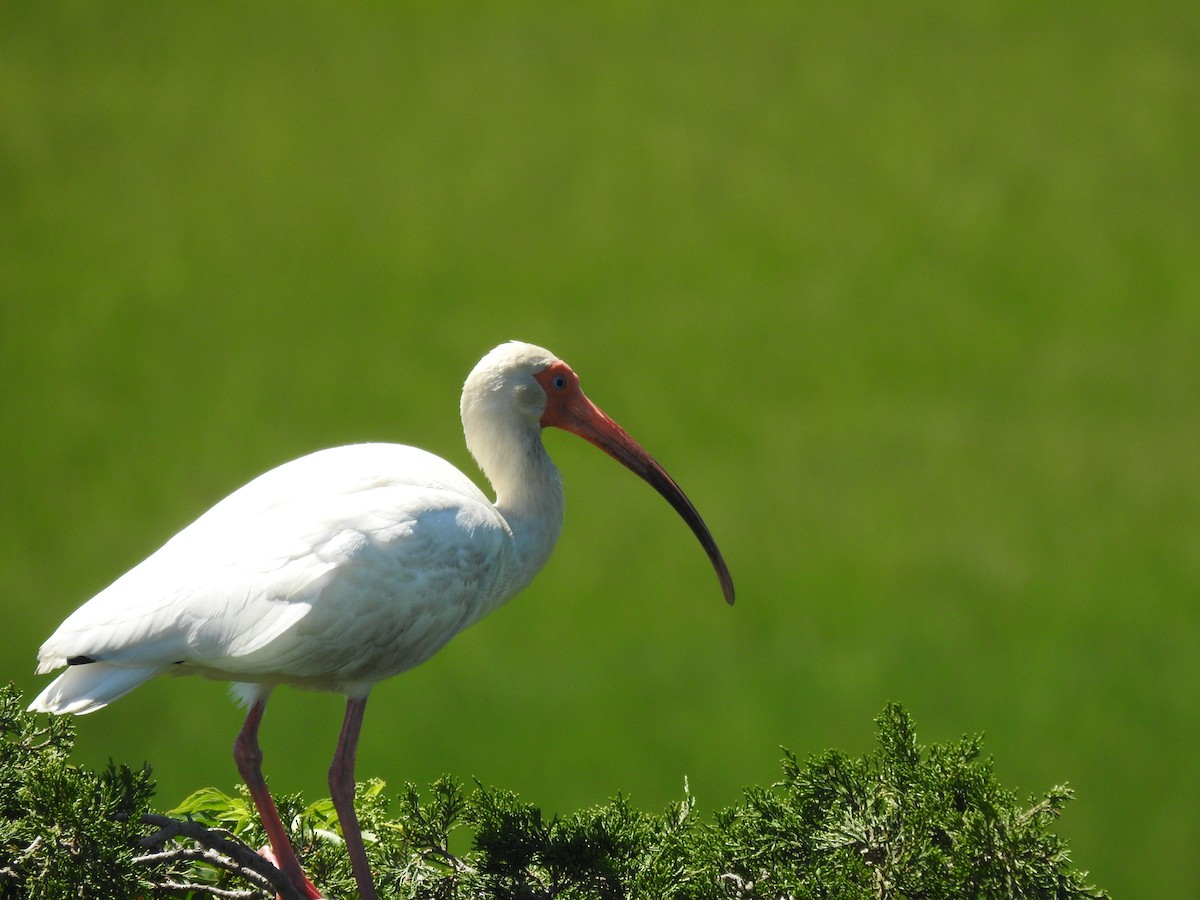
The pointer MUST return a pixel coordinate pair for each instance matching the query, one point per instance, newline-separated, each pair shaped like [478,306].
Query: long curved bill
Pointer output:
[569,408]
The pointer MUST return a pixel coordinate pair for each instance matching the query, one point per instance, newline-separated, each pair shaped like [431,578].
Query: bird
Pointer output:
[345,567]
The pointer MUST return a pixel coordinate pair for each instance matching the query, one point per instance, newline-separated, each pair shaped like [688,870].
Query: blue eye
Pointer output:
[559,382]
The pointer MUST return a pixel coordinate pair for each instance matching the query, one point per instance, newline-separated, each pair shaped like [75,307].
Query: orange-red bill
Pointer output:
[568,408]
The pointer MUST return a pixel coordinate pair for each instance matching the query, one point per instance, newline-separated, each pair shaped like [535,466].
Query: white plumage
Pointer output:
[345,567]
[332,572]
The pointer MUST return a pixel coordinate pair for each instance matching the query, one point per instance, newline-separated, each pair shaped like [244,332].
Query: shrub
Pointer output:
[897,822]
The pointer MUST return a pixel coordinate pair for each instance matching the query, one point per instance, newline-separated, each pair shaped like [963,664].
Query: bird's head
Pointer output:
[519,389]
[503,387]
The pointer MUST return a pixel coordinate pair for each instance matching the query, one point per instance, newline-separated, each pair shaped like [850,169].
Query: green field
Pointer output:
[906,297]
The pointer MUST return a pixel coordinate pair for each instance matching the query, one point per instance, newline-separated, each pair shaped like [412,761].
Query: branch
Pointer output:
[221,851]
[222,893]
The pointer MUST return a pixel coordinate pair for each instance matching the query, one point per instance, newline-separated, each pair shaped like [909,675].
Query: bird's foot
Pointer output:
[303,885]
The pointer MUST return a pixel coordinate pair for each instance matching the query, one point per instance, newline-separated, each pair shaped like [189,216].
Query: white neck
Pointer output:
[528,488]
[533,508]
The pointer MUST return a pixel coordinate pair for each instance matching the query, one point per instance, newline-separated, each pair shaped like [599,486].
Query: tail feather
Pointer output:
[86,688]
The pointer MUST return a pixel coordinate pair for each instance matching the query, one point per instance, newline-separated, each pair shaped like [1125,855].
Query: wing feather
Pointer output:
[351,563]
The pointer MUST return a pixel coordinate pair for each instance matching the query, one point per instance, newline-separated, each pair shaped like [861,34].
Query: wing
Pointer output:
[373,546]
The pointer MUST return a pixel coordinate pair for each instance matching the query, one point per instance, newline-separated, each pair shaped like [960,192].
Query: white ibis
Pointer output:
[346,567]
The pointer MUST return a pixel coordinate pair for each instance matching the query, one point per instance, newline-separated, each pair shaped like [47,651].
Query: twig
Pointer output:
[447,859]
[230,855]
[223,893]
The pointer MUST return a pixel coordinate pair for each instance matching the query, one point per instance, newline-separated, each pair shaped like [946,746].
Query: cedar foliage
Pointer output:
[899,822]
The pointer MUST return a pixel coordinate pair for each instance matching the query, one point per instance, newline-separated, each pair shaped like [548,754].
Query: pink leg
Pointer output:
[341,790]
[248,756]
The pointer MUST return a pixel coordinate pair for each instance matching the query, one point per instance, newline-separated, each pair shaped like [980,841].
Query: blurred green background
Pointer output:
[907,297]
